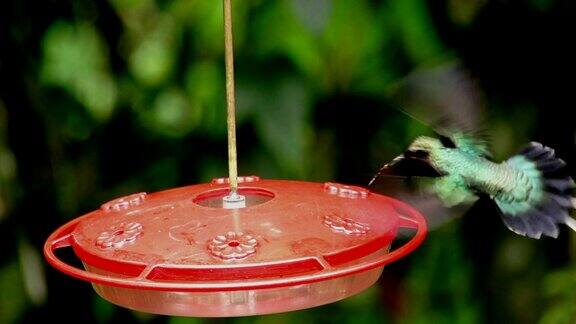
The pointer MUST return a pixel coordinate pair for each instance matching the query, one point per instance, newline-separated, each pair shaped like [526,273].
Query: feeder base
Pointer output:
[239,303]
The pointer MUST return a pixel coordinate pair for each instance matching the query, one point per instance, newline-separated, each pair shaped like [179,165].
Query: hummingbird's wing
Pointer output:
[419,193]
[447,99]
[413,181]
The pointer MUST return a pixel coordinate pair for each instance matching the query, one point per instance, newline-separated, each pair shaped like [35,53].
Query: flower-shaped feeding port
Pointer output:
[119,235]
[232,246]
[345,225]
[124,202]
[345,191]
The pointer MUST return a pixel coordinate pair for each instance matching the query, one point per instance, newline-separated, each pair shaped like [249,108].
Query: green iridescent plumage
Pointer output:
[531,198]
[514,184]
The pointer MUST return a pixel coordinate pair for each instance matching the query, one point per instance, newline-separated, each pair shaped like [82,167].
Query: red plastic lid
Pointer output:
[289,233]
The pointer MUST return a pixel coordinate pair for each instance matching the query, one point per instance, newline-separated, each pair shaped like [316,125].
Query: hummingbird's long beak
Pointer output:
[409,164]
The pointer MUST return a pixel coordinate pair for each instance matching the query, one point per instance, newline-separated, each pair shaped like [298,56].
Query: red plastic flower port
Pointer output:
[345,225]
[119,235]
[232,246]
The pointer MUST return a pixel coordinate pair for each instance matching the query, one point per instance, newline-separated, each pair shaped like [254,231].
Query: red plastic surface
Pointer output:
[291,233]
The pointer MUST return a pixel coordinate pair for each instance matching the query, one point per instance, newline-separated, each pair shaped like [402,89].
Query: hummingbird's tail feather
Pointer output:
[550,198]
[540,220]
[571,222]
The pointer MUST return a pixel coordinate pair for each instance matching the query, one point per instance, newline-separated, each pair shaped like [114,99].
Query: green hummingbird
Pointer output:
[529,190]
[533,199]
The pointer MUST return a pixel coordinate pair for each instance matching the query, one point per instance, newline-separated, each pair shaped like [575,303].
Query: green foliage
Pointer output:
[438,284]
[204,83]
[76,59]
[32,272]
[153,58]
[128,95]
[8,168]
[12,299]
[560,288]
[287,141]
[171,114]
[416,30]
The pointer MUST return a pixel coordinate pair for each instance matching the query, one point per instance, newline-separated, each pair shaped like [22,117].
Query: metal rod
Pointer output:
[230,97]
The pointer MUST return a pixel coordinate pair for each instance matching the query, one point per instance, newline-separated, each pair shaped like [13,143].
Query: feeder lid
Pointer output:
[290,232]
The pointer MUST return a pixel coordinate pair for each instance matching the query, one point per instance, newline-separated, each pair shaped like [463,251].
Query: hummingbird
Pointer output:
[454,165]
[530,195]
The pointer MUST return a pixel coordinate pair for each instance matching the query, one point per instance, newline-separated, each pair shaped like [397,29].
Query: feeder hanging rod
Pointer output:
[230,98]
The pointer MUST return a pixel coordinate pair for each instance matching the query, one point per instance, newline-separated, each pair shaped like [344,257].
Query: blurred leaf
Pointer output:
[514,255]
[561,313]
[353,38]
[162,173]
[344,49]
[313,14]
[70,51]
[75,182]
[204,82]
[463,12]
[283,125]
[132,5]
[364,299]
[7,179]
[321,163]
[511,140]
[154,56]
[208,26]
[103,310]
[560,288]
[205,20]
[138,17]
[418,34]
[439,282]
[277,32]
[143,317]
[76,59]
[8,168]
[542,5]
[364,307]
[12,298]
[171,114]
[211,168]
[185,320]
[32,269]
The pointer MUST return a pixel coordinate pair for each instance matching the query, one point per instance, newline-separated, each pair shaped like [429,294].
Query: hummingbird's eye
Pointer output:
[447,142]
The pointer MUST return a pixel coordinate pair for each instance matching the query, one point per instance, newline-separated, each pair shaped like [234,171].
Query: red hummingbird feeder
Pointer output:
[179,252]
[236,246]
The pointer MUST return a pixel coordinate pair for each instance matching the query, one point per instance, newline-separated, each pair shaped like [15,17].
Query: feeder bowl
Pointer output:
[179,252]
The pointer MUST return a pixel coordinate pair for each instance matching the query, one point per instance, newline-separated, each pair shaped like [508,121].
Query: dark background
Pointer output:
[99,99]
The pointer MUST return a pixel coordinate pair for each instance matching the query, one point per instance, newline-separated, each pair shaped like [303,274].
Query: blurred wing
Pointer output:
[445,97]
